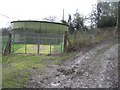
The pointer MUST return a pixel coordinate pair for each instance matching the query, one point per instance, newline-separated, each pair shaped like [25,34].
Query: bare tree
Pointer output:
[51,18]
[78,21]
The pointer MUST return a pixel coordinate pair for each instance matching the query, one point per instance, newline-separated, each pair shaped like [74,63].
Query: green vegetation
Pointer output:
[106,15]
[4,41]
[32,48]
[18,68]
[19,48]
[87,39]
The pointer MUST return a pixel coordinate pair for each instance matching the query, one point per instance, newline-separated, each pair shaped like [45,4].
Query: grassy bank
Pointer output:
[18,68]
[87,39]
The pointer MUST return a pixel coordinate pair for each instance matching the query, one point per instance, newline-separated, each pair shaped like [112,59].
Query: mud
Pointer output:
[97,68]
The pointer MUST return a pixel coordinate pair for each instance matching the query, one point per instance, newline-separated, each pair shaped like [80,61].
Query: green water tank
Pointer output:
[40,26]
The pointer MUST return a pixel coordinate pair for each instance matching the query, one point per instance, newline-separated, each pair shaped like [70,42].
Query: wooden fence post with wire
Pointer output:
[8,46]
[66,39]
[10,42]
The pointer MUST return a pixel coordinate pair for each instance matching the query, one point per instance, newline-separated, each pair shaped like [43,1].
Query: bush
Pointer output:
[89,40]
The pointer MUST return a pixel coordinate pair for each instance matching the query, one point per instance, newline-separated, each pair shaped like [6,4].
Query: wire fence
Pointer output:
[37,43]
[26,42]
[4,42]
[93,33]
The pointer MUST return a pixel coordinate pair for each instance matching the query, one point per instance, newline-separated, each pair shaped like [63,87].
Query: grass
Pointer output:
[4,41]
[18,68]
[32,48]
[84,40]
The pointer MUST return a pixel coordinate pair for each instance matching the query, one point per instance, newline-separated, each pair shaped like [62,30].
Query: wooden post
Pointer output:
[8,46]
[38,45]
[50,43]
[75,34]
[50,46]
[25,45]
[13,40]
[10,42]
[61,45]
[65,40]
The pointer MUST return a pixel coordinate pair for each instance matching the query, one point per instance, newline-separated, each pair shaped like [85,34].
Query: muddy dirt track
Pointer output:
[97,68]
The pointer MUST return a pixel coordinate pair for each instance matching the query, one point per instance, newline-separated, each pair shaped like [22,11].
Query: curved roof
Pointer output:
[39,21]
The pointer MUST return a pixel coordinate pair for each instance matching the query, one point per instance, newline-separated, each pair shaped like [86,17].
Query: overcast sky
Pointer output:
[39,9]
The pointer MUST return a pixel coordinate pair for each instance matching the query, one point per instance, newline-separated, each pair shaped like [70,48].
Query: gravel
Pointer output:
[97,68]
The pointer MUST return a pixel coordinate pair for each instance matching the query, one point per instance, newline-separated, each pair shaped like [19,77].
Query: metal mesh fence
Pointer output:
[4,41]
[37,43]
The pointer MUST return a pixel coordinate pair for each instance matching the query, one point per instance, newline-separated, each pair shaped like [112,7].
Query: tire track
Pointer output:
[94,69]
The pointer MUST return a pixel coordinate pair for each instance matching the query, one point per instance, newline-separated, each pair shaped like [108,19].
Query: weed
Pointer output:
[84,40]
[18,68]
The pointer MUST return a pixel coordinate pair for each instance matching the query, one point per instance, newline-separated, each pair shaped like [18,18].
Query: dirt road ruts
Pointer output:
[97,68]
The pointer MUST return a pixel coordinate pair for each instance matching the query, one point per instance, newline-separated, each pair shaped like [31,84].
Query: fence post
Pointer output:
[50,45]
[38,45]
[61,45]
[75,35]
[25,45]
[65,40]
[13,41]
[8,46]
[10,38]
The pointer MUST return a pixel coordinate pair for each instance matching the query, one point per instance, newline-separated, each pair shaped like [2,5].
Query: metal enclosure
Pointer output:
[40,26]
[38,37]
